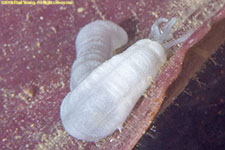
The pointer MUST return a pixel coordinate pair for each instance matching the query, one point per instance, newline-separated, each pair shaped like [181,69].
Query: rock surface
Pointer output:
[37,51]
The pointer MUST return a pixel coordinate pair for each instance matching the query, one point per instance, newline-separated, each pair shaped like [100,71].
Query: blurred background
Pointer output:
[196,119]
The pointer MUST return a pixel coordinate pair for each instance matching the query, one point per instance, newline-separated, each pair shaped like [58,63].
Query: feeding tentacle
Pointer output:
[166,33]
[167,30]
[155,32]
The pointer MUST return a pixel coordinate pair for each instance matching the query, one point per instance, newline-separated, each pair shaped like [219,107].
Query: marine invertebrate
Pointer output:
[103,93]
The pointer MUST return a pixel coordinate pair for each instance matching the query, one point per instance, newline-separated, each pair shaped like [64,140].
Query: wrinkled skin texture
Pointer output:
[37,52]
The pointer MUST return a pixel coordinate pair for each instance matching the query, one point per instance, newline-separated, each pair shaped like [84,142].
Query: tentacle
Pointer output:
[166,34]
[167,29]
[155,32]
[177,41]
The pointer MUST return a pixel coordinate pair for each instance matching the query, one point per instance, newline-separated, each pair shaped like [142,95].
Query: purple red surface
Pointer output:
[196,119]
[37,50]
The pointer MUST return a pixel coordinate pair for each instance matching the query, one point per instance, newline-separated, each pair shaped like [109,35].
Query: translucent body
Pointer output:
[101,103]
[103,93]
[95,43]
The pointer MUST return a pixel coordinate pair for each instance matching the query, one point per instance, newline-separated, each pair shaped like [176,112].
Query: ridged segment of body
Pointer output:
[104,93]
[101,103]
[95,43]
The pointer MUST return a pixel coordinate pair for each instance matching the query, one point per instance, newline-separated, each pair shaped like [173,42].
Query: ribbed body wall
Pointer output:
[95,43]
[101,103]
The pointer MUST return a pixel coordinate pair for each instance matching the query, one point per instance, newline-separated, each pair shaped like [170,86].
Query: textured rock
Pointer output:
[37,51]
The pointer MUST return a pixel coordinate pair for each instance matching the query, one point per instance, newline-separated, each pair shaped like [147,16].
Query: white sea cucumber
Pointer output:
[104,89]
